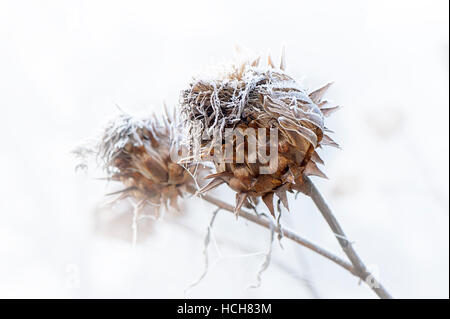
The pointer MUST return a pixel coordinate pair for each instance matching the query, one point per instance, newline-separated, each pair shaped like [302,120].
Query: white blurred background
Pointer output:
[64,65]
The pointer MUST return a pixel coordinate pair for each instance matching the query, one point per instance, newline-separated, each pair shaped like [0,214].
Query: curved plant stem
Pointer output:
[356,268]
[286,233]
[361,270]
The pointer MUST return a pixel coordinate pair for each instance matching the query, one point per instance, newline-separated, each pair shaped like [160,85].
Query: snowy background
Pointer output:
[64,65]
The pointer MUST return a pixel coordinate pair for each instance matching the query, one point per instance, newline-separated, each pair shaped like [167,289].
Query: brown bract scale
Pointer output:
[254,96]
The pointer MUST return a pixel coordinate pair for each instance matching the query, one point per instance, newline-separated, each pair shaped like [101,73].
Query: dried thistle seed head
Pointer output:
[136,152]
[250,96]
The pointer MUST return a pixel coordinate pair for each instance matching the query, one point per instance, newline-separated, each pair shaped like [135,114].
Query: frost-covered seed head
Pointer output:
[248,95]
[136,152]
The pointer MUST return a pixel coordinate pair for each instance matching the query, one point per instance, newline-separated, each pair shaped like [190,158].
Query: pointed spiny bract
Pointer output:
[250,96]
[327,111]
[317,95]
[270,62]
[283,59]
[255,63]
